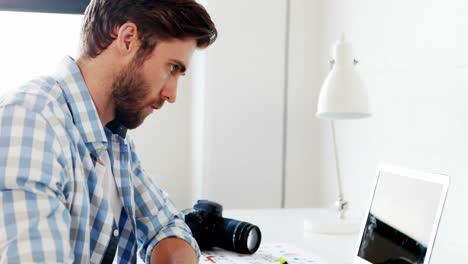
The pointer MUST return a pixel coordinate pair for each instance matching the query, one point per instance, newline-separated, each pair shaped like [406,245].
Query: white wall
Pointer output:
[244,104]
[414,59]
[304,156]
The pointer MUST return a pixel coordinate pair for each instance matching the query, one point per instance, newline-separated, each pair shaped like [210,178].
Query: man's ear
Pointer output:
[127,41]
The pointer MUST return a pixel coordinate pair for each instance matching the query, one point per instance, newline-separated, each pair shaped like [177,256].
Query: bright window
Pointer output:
[32,44]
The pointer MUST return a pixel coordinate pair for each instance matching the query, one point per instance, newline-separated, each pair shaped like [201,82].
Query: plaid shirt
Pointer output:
[51,208]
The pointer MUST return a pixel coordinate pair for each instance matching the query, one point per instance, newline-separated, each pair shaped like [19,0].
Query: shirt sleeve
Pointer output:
[34,221]
[157,216]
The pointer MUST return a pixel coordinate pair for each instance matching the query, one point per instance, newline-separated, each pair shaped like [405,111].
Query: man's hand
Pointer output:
[173,250]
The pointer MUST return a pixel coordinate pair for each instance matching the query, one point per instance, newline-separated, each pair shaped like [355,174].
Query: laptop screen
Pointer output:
[402,219]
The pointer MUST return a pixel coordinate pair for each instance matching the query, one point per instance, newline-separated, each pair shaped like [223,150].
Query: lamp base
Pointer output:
[328,222]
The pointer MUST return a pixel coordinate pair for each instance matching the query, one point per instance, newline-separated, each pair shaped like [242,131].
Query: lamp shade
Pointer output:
[343,94]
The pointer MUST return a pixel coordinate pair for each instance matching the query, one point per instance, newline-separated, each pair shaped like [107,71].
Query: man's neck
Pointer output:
[98,76]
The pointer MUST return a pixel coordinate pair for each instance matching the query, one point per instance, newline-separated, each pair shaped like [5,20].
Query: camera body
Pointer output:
[211,229]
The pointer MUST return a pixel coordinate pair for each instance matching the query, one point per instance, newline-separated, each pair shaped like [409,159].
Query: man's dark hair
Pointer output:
[156,20]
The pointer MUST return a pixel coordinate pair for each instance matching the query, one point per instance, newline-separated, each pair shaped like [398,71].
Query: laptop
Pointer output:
[402,219]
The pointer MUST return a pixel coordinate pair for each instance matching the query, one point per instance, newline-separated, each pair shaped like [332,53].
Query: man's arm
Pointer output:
[161,229]
[173,250]
[34,221]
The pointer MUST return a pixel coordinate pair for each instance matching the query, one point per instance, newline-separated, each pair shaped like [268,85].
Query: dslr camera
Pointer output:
[211,229]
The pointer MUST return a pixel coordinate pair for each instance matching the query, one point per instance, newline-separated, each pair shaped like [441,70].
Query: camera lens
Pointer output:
[252,240]
[241,237]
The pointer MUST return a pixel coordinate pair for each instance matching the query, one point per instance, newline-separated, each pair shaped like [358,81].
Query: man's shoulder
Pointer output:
[41,95]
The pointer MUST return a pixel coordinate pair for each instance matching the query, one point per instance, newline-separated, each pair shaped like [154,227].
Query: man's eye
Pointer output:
[174,68]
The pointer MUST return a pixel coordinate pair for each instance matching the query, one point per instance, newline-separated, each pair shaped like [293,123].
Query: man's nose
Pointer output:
[169,92]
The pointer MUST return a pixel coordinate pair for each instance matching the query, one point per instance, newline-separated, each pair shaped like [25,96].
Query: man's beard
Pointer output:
[129,91]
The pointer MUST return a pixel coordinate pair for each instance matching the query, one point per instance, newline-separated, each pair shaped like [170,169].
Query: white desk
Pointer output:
[287,226]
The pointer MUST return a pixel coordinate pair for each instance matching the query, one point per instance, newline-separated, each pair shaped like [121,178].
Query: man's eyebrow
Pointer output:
[181,65]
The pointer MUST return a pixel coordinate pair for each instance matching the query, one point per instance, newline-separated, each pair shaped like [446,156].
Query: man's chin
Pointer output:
[131,123]
[131,119]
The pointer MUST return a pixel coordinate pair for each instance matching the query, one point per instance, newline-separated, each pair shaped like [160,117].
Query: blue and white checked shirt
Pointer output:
[51,209]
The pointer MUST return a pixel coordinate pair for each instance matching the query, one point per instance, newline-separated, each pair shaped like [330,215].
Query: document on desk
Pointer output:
[267,253]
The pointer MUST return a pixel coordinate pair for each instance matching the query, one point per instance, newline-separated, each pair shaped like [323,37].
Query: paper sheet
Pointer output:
[267,253]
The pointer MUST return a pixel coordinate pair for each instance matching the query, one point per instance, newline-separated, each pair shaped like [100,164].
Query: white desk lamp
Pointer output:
[342,96]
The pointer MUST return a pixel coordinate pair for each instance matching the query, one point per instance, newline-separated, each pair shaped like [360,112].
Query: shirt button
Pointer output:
[116,232]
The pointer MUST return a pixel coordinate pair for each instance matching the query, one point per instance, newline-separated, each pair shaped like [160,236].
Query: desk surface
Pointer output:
[287,226]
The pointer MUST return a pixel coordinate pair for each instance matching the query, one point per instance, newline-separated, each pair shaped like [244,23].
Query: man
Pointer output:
[72,188]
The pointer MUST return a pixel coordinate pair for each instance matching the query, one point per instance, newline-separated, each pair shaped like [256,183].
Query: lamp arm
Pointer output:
[341,204]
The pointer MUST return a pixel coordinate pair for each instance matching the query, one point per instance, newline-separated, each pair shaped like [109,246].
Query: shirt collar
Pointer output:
[82,107]
[117,128]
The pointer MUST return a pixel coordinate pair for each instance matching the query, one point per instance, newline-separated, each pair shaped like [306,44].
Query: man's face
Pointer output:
[140,89]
